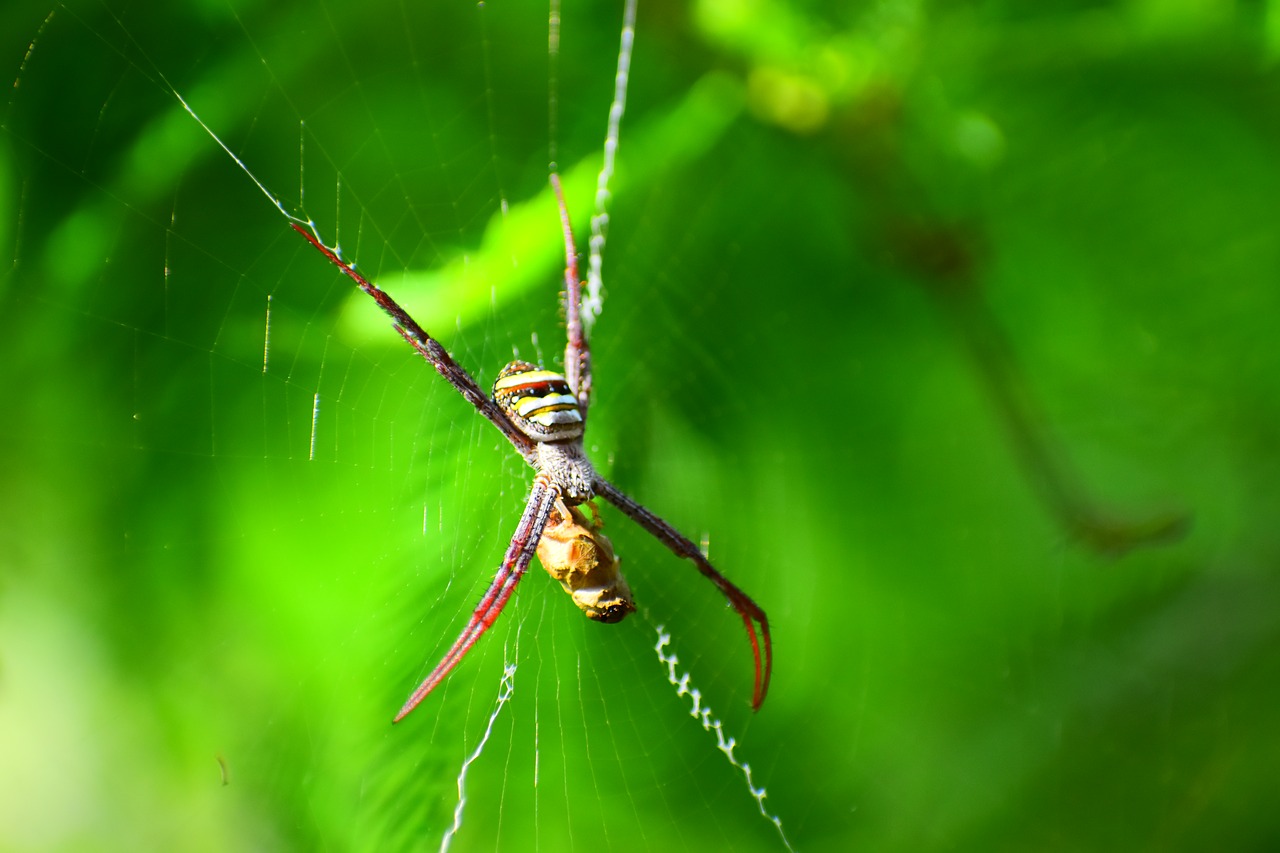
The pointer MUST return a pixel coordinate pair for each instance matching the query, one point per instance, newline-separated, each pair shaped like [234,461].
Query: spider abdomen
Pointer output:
[539,402]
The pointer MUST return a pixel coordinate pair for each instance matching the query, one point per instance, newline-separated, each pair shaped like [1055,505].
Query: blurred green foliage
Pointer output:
[951,327]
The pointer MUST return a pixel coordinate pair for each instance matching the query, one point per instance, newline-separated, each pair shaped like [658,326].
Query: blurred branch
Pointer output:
[857,91]
[939,258]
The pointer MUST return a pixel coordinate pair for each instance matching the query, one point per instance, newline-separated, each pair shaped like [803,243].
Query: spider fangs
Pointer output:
[543,414]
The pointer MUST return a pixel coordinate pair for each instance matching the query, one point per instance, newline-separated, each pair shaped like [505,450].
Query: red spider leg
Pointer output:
[577,352]
[683,547]
[430,349]
[523,545]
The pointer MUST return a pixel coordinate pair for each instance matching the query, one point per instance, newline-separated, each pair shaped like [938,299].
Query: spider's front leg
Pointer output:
[430,349]
[577,351]
[542,498]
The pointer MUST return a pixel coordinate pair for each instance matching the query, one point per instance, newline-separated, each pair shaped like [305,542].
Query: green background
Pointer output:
[950,328]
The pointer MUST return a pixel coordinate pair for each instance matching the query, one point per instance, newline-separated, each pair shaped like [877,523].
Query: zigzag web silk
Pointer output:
[592,306]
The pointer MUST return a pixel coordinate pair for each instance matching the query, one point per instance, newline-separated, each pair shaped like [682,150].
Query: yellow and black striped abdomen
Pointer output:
[539,402]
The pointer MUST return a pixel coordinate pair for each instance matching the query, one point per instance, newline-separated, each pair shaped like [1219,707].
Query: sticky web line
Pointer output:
[26,57]
[505,688]
[703,713]
[315,424]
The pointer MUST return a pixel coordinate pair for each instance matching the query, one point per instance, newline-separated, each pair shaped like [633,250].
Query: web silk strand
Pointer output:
[593,302]
[703,714]
[505,689]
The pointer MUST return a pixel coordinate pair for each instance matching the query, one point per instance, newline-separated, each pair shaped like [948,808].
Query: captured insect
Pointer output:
[543,414]
[575,552]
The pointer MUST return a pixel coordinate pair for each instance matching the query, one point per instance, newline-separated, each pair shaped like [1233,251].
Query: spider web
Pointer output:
[294,515]
[876,273]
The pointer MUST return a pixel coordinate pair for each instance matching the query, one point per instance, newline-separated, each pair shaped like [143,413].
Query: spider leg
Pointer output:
[524,543]
[577,352]
[431,349]
[681,546]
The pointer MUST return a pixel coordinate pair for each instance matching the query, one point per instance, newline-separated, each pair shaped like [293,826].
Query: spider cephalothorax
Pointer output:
[543,414]
[542,406]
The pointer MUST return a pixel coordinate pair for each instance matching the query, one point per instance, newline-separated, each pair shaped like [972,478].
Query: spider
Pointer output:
[543,414]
